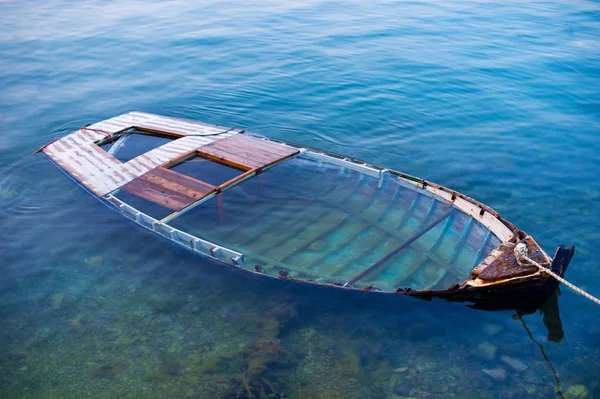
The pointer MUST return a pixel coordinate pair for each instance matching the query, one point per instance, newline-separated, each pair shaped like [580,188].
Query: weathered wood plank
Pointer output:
[184,180]
[254,154]
[246,152]
[501,264]
[102,173]
[165,187]
[200,127]
[237,161]
[171,186]
[413,238]
[245,141]
[142,191]
[166,153]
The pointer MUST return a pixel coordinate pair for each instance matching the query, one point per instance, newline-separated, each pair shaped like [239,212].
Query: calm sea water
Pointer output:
[499,100]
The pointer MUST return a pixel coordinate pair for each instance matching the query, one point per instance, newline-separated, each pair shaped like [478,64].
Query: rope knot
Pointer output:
[523,259]
[521,251]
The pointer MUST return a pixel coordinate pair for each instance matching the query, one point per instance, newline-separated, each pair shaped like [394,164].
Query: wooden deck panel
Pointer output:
[94,169]
[102,173]
[170,189]
[501,264]
[247,152]
[253,155]
[184,180]
[174,125]
[167,153]
[163,197]
[145,175]
[246,141]
[235,160]
[173,186]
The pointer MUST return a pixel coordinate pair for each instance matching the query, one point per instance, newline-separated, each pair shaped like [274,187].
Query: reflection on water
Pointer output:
[552,322]
[496,100]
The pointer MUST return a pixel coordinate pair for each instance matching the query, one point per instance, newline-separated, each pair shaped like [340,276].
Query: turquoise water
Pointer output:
[498,100]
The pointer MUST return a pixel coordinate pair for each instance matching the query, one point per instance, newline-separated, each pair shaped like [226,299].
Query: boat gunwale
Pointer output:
[419,183]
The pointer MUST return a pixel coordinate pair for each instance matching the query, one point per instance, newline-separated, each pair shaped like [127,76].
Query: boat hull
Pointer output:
[441,232]
[525,294]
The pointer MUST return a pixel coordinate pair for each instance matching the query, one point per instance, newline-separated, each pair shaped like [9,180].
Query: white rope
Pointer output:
[521,255]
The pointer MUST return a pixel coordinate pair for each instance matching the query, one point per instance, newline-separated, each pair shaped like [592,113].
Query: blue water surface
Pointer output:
[498,100]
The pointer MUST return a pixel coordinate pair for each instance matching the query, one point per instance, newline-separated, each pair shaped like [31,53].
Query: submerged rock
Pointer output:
[95,260]
[193,359]
[487,350]
[403,389]
[515,364]
[594,329]
[170,364]
[56,300]
[349,363]
[211,364]
[109,370]
[497,374]
[157,375]
[162,305]
[577,392]
[492,329]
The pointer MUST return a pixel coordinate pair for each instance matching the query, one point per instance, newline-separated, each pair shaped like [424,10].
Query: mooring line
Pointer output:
[521,255]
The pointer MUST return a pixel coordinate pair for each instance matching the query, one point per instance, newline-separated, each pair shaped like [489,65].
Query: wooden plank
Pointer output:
[172,186]
[229,159]
[164,187]
[415,237]
[105,156]
[166,153]
[290,228]
[461,241]
[245,141]
[153,197]
[157,194]
[484,244]
[248,152]
[184,180]
[339,270]
[347,242]
[87,166]
[102,173]
[200,127]
[285,248]
[322,235]
[409,212]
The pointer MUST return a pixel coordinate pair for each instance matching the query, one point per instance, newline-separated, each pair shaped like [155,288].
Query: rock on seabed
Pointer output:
[57,299]
[497,374]
[487,350]
[577,392]
[514,364]
[492,329]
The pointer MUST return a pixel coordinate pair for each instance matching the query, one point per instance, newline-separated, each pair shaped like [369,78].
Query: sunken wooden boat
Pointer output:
[294,213]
